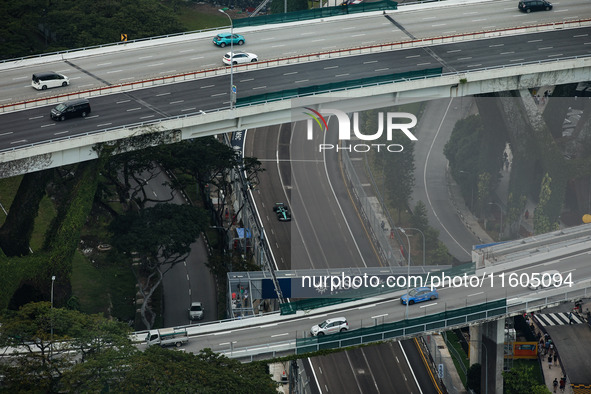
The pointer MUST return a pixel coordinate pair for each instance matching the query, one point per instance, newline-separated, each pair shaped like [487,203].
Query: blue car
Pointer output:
[419,294]
[224,39]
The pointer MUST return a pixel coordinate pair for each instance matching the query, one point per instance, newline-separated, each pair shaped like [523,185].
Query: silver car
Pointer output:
[330,326]
[196,311]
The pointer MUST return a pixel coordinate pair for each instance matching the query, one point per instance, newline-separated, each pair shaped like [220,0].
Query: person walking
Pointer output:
[549,362]
[562,384]
[555,357]
[555,384]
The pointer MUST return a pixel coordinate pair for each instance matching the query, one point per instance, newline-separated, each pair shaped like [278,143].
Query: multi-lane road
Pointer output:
[126,65]
[319,236]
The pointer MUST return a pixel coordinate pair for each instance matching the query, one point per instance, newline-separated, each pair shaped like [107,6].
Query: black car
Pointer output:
[282,211]
[71,109]
[534,5]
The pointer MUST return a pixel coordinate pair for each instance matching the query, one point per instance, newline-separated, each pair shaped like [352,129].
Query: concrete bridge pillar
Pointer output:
[492,351]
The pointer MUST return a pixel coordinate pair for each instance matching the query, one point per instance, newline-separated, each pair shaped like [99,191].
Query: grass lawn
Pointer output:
[104,283]
[201,17]
[8,188]
[455,343]
[88,286]
[47,211]
[536,370]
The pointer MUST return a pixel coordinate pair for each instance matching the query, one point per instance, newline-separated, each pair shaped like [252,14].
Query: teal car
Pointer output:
[282,211]
[224,39]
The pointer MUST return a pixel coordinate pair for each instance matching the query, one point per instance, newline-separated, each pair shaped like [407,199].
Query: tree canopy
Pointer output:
[160,237]
[88,353]
[37,26]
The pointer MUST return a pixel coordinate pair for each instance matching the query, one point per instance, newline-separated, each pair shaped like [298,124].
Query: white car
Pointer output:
[330,326]
[196,311]
[239,58]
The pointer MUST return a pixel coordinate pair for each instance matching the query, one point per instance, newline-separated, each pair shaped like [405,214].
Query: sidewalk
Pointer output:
[555,372]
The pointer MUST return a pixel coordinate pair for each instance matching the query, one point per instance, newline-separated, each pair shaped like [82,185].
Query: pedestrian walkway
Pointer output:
[558,319]
[553,370]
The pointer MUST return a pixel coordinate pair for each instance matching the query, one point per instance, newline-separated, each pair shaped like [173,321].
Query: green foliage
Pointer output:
[419,216]
[51,340]
[60,243]
[542,222]
[278,6]
[159,369]
[484,190]
[160,233]
[70,24]
[515,211]
[473,150]
[161,236]
[521,380]
[94,354]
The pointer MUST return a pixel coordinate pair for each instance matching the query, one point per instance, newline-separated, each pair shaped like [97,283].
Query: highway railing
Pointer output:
[362,50]
[443,321]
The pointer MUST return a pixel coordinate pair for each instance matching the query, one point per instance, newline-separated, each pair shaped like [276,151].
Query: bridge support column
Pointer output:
[492,356]
[475,344]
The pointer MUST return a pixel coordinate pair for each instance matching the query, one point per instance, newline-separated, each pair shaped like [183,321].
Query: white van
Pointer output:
[50,79]
[546,279]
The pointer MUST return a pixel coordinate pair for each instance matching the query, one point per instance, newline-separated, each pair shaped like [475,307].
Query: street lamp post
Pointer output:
[51,319]
[232,93]
[408,273]
[500,209]
[410,228]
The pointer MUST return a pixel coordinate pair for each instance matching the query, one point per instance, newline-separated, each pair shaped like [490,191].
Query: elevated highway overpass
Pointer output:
[489,293]
[170,109]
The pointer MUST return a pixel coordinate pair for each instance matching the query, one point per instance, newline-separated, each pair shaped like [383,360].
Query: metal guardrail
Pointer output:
[410,328]
[109,45]
[161,80]
[197,113]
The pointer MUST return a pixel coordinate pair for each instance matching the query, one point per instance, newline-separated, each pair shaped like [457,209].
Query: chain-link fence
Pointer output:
[442,355]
